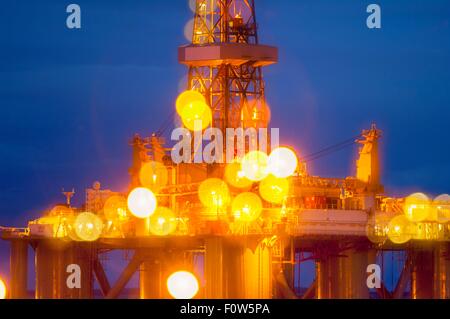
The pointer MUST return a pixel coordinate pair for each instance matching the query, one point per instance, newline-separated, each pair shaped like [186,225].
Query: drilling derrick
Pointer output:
[225,62]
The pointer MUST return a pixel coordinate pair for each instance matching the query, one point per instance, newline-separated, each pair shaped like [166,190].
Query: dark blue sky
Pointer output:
[71,99]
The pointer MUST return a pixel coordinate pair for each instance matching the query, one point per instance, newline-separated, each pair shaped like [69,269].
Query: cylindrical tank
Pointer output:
[19,269]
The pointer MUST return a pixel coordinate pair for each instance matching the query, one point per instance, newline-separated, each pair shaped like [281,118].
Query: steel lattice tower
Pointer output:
[225,62]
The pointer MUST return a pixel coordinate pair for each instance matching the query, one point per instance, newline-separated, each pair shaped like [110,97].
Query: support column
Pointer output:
[331,280]
[442,272]
[258,274]
[236,269]
[343,275]
[19,269]
[233,269]
[44,271]
[214,268]
[52,259]
[359,260]
[150,281]
[422,276]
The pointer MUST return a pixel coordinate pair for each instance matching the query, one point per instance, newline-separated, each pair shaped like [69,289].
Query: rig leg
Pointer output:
[235,269]
[442,272]
[343,275]
[422,275]
[214,268]
[52,260]
[150,281]
[258,274]
[329,277]
[19,269]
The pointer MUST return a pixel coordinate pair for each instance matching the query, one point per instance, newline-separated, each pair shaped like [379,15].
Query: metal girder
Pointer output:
[383,292]
[126,275]
[283,285]
[402,283]
[311,291]
[100,274]
[404,279]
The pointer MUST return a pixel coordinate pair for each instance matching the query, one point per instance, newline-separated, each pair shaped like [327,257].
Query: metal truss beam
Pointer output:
[125,277]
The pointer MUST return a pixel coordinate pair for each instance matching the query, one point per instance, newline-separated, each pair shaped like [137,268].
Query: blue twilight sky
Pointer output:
[71,99]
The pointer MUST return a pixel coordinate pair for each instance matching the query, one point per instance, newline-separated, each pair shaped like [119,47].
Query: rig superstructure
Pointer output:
[342,224]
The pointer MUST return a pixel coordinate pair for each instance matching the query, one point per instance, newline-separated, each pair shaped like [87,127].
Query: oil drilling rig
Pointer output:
[342,224]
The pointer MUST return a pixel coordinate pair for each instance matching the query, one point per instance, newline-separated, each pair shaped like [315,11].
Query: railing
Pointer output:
[13,232]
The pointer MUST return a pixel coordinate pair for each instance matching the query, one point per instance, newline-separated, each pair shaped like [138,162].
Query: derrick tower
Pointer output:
[225,62]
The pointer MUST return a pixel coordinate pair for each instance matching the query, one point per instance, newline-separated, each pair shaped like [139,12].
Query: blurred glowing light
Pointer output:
[417,207]
[377,228]
[154,175]
[255,166]
[115,208]
[2,289]
[442,207]
[400,230]
[192,5]
[189,30]
[182,285]
[273,189]
[142,202]
[214,193]
[247,207]
[283,162]
[235,176]
[163,222]
[88,227]
[196,116]
[256,113]
[188,98]
[203,5]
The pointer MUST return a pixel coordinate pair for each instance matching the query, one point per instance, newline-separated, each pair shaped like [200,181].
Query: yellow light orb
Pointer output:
[214,193]
[182,285]
[235,176]
[2,289]
[273,189]
[142,202]
[417,207]
[196,116]
[247,207]
[163,222]
[154,175]
[255,166]
[115,208]
[377,228]
[88,227]
[283,162]
[442,206]
[400,230]
[187,98]
[256,113]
